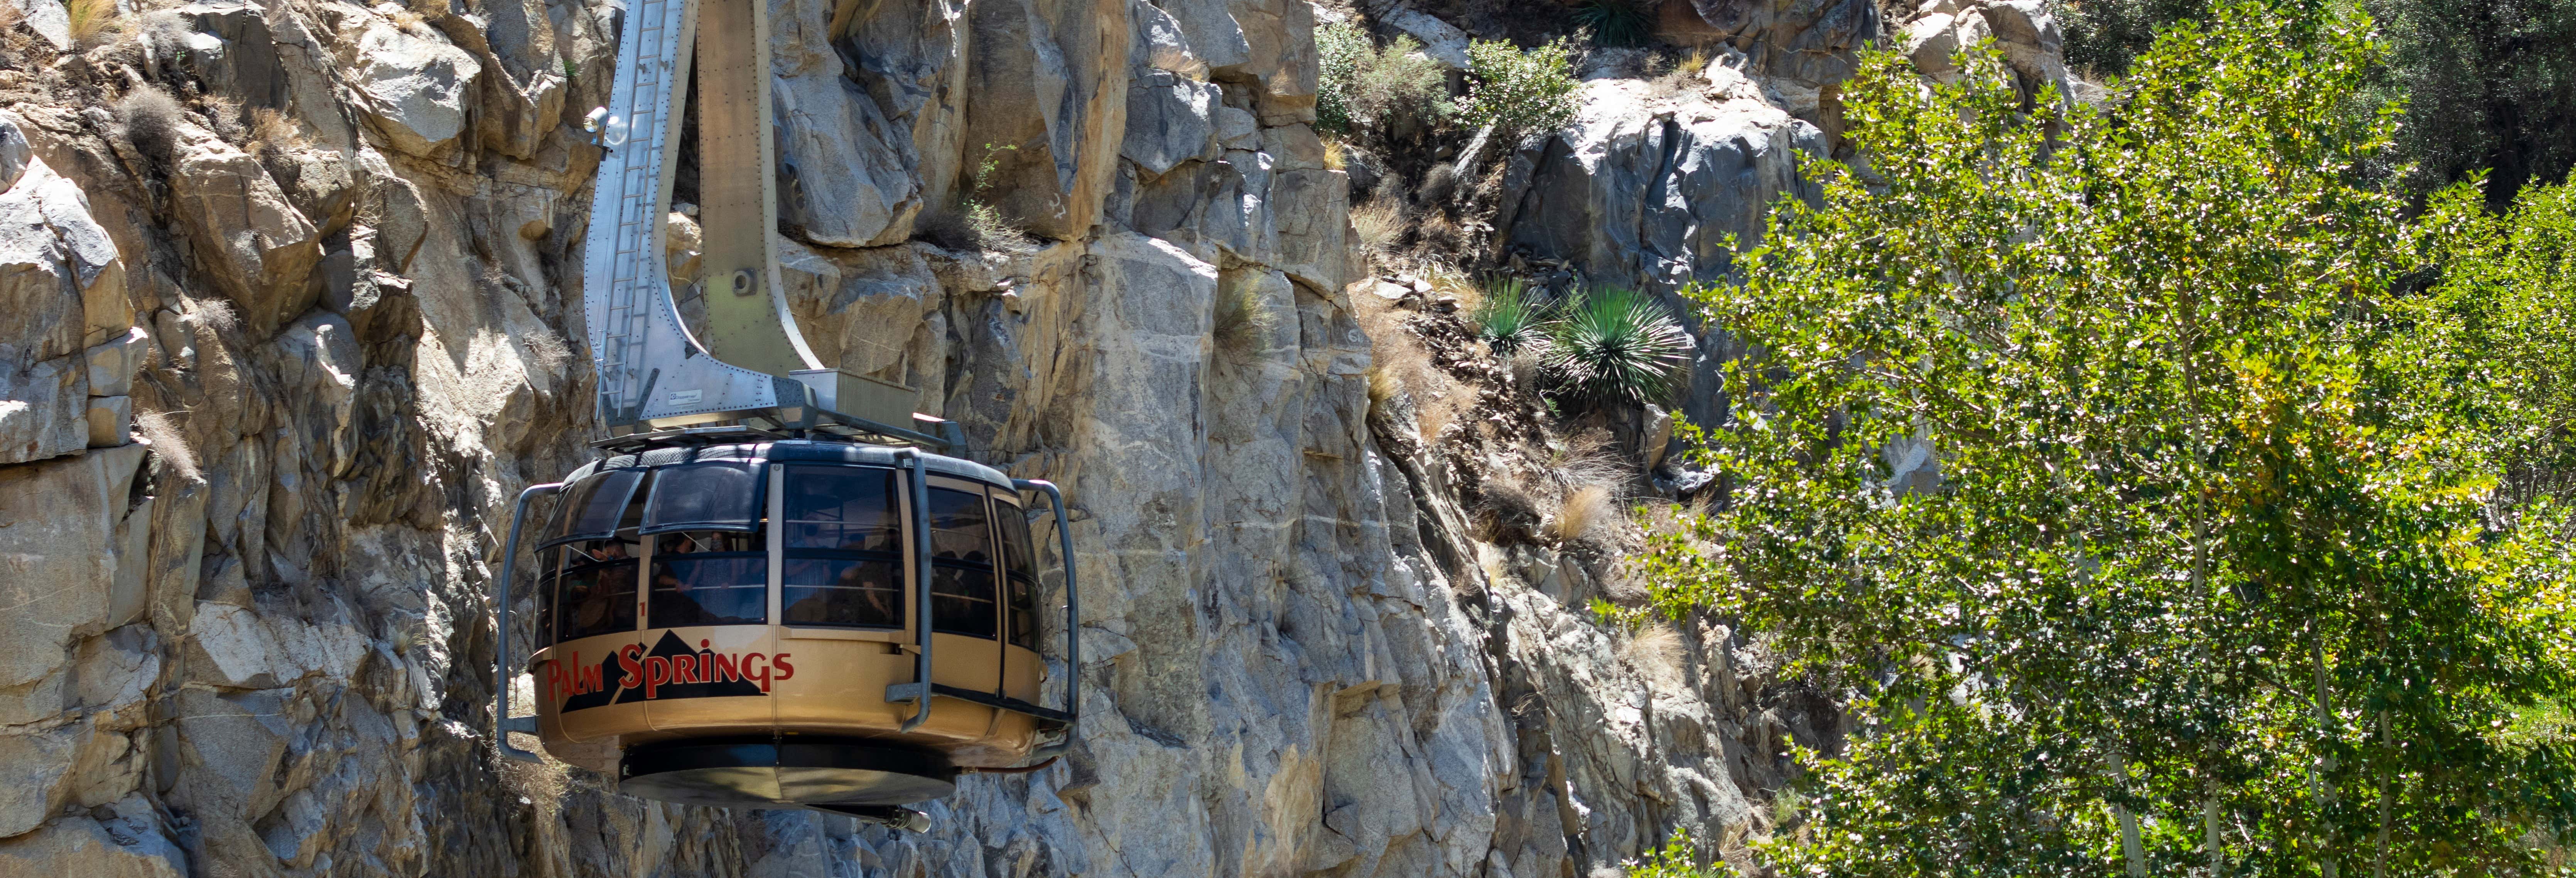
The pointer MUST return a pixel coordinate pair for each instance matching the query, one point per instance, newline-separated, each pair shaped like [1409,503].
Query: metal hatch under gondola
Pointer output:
[771,590]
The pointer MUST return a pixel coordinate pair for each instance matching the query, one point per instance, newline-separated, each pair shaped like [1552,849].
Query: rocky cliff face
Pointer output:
[274,357]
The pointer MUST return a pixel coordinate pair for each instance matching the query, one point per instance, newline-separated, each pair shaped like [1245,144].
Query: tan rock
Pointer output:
[121,847]
[260,250]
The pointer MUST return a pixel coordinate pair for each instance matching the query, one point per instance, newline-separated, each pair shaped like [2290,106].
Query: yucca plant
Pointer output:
[1615,346]
[1512,316]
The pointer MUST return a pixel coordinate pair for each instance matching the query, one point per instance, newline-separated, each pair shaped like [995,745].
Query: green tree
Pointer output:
[2216,572]
[2489,84]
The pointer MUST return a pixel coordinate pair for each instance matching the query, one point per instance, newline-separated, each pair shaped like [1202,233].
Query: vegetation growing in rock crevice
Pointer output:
[2218,572]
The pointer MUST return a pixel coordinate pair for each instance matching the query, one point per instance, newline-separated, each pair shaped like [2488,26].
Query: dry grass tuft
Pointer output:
[1694,62]
[1655,650]
[1334,159]
[10,16]
[1382,388]
[1585,510]
[549,349]
[93,21]
[1438,234]
[1243,321]
[1379,222]
[1585,458]
[270,129]
[168,443]
[407,19]
[1448,280]
[216,313]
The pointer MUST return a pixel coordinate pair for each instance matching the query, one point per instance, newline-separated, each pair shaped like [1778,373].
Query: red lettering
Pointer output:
[724,669]
[657,671]
[785,670]
[755,667]
[554,680]
[630,672]
[585,677]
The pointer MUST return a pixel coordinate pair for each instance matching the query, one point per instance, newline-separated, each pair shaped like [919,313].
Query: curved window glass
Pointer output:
[597,588]
[709,495]
[1019,583]
[709,578]
[962,587]
[844,548]
[593,508]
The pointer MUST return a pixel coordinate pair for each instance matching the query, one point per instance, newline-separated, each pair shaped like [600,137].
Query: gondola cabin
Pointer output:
[747,624]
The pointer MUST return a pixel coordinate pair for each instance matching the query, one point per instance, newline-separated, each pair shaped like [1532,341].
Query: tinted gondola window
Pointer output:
[1019,583]
[709,495]
[709,578]
[962,587]
[593,507]
[596,589]
[844,545]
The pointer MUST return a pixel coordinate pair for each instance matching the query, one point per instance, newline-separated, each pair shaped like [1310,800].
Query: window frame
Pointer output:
[992,551]
[785,554]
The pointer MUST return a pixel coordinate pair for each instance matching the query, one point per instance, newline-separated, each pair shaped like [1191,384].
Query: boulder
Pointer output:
[63,518]
[91,252]
[109,420]
[112,364]
[1169,121]
[32,768]
[414,89]
[43,390]
[1440,40]
[48,19]
[121,846]
[1049,108]
[847,186]
[1161,44]
[243,63]
[1312,210]
[1209,29]
[258,249]
[15,153]
[1280,63]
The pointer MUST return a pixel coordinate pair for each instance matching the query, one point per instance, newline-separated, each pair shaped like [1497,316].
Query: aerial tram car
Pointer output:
[775,588]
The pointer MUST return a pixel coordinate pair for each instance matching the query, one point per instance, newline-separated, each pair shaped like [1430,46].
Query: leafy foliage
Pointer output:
[1394,92]
[2220,549]
[1519,92]
[1674,860]
[1512,317]
[1340,48]
[2103,35]
[1614,346]
[2488,85]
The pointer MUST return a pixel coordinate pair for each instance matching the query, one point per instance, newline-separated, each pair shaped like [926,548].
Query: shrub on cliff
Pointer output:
[2235,563]
[1391,93]
[1521,93]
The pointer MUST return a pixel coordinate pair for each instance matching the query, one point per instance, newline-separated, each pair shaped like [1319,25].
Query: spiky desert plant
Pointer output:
[1512,317]
[1615,23]
[1614,346]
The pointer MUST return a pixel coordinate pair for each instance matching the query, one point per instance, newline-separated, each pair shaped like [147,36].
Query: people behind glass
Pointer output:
[592,588]
[710,591]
